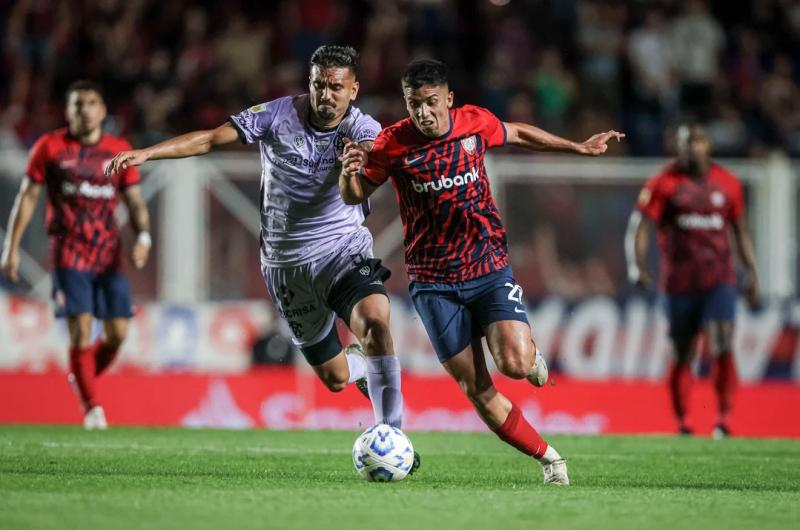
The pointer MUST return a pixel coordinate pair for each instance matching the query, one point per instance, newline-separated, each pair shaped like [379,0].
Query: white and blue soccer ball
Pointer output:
[383,454]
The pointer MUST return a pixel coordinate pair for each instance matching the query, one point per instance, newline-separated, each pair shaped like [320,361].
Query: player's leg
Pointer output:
[500,414]
[718,315]
[497,306]
[359,298]
[684,312]
[115,331]
[312,325]
[114,306]
[74,301]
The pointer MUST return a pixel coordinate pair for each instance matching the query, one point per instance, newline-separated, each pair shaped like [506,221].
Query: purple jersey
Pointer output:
[303,216]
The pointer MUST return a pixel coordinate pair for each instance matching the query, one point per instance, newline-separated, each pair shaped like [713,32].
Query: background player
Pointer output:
[456,250]
[695,205]
[85,241]
[316,257]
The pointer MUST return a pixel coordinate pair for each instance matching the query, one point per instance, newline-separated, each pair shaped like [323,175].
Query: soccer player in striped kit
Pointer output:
[697,207]
[456,250]
[88,279]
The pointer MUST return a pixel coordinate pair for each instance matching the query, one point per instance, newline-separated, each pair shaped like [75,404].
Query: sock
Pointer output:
[104,355]
[82,365]
[725,382]
[518,433]
[680,382]
[383,380]
[358,367]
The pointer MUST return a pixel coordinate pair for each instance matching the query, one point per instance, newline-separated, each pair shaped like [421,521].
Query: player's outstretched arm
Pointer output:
[21,213]
[189,144]
[352,186]
[140,221]
[744,245]
[536,139]
[636,240]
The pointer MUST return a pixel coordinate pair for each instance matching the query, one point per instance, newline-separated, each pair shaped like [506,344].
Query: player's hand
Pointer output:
[9,264]
[752,292]
[598,144]
[354,157]
[126,159]
[139,254]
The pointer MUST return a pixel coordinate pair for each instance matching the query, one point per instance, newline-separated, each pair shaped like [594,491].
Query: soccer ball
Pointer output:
[383,454]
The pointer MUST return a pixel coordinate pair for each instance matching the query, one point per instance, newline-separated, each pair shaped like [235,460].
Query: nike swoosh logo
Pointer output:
[518,310]
[410,160]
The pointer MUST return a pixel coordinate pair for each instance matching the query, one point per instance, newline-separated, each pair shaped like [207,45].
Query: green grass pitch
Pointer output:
[126,478]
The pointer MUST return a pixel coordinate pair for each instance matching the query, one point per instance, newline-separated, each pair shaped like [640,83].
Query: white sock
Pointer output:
[383,380]
[549,456]
[357,365]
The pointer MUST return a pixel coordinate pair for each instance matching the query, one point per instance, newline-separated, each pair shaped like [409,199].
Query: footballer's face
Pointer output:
[85,112]
[694,146]
[429,108]
[331,90]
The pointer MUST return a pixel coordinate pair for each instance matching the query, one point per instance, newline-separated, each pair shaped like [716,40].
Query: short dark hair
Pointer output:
[83,84]
[332,56]
[425,72]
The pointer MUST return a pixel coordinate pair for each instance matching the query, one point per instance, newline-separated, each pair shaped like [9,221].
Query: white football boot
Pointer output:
[95,418]
[539,372]
[556,473]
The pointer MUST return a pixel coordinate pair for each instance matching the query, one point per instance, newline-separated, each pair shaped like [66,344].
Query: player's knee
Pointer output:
[516,365]
[114,340]
[333,382]
[377,337]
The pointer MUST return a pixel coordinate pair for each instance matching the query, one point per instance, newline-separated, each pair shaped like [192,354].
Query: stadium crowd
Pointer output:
[572,66]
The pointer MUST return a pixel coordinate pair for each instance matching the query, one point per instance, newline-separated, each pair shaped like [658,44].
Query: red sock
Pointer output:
[81,363]
[725,382]
[104,355]
[517,432]
[680,382]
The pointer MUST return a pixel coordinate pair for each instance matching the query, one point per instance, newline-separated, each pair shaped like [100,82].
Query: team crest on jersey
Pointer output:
[322,144]
[364,271]
[299,141]
[338,142]
[469,144]
[717,199]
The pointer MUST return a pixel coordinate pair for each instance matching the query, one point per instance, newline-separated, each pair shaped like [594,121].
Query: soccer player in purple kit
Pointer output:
[697,207]
[316,255]
[88,280]
[456,250]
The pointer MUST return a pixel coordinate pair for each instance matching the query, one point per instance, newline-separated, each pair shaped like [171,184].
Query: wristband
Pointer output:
[143,238]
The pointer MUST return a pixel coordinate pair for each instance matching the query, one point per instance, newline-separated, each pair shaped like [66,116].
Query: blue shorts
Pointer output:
[687,312]
[454,313]
[103,295]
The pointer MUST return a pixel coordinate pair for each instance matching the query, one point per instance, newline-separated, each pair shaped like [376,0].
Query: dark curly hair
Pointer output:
[329,56]
[83,84]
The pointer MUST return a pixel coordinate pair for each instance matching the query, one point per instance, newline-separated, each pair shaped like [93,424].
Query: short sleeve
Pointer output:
[651,199]
[131,176]
[376,172]
[737,199]
[490,126]
[37,161]
[364,129]
[253,124]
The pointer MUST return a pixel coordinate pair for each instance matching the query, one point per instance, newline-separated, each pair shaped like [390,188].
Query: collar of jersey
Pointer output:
[72,137]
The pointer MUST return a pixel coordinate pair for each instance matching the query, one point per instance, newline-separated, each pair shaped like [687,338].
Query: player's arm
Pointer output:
[536,139]
[744,245]
[353,187]
[190,144]
[140,221]
[637,238]
[21,213]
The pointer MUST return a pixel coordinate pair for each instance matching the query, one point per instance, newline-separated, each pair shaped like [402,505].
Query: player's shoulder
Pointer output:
[473,113]
[50,141]
[720,172]
[668,173]
[116,143]
[398,131]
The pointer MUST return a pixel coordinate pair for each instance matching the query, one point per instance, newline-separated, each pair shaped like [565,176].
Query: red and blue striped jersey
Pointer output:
[451,227]
[80,199]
